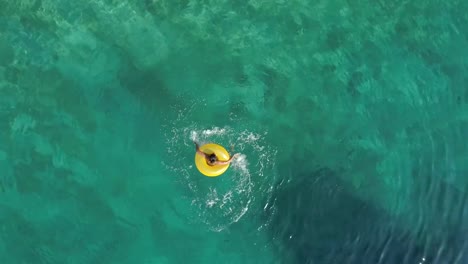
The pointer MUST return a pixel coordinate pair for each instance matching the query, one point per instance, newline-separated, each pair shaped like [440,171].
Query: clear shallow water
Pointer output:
[352,121]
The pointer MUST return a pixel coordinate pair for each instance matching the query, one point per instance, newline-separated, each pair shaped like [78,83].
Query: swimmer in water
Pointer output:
[211,159]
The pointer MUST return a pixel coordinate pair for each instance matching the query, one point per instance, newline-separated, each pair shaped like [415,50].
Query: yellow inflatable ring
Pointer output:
[204,168]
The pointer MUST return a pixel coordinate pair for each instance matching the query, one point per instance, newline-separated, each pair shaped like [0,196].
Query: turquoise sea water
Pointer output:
[351,118]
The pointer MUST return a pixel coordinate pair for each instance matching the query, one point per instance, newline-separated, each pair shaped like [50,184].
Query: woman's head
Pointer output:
[212,158]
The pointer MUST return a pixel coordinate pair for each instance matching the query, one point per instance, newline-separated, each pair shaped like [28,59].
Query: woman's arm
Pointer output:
[198,150]
[219,162]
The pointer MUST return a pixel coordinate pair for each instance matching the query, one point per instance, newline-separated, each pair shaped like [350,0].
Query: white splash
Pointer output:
[241,164]
[214,131]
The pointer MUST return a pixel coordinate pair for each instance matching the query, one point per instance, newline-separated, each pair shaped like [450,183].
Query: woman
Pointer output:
[211,159]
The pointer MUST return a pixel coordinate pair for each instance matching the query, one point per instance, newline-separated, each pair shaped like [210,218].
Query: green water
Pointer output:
[351,118]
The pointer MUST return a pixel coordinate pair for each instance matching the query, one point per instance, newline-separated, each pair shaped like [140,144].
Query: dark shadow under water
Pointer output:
[316,220]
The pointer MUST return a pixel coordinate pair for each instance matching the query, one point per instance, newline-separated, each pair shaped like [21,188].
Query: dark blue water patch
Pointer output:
[318,221]
[148,87]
